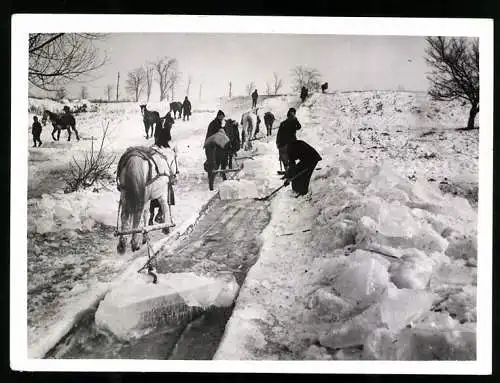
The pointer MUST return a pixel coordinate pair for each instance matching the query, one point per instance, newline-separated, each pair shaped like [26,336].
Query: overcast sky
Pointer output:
[346,62]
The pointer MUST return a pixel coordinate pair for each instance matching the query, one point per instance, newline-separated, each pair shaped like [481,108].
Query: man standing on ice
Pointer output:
[286,134]
[308,158]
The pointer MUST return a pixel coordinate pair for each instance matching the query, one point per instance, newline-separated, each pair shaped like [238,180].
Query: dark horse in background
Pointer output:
[59,122]
[150,118]
[176,107]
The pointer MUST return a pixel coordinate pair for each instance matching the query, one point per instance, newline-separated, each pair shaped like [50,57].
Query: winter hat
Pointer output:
[220,113]
[290,111]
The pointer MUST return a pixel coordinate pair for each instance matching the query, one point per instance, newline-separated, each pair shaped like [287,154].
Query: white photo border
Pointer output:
[23,24]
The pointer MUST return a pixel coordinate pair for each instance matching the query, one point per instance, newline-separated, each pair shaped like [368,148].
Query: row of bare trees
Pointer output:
[301,76]
[166,73]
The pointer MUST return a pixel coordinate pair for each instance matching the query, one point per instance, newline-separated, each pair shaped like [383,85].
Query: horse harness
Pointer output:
[147,154]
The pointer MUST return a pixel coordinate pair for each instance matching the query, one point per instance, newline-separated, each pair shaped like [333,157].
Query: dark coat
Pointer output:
[165,130]
[186,107]
[255,95]
[308,158]
[213,127]
[232,131]
[268,118]
[303,93]
[287,131]
[36,129]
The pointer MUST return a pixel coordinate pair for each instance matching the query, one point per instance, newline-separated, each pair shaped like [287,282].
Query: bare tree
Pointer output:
[135,82]
[95,166]
[109,91]
[455,71]
[174,78]
[308,77]
[277,83]
[250,87]
[61,93]
[58,58]
[149,72]
[165,68]
[268,89]
[84,93]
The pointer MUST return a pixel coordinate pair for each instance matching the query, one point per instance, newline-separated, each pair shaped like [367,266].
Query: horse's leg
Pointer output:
[58,134]
[146,128]
[136,221]
[165,207]
[69,133]
[146,218]
[151,213]
[76,132]
[122,242]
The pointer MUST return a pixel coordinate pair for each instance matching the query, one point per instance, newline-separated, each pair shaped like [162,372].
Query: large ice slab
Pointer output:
[137,306]
[233,189]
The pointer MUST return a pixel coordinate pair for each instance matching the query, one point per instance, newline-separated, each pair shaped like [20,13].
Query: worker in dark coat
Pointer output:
[304,93]
[216,147]
[255,96]
[186,109]
[307,158]
[286,134]
[216,124]
[167,123]
[36,131]
[268,121]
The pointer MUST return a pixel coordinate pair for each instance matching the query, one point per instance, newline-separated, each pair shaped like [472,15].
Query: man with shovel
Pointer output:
[300,173]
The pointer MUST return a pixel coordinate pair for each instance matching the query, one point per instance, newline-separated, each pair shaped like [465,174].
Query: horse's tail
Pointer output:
[134,184]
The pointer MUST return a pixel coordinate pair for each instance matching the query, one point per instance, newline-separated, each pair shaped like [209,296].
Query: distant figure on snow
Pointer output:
[308,158]
[324,87]
[304,93]
[255,96]
[268,121]
[186,109]
[286,134]
[36,131]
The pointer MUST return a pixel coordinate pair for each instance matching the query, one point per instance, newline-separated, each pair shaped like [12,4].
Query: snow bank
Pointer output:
[386,248]
[137,306]
[73,211]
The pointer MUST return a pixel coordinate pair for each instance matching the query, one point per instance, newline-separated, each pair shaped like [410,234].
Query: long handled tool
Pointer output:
[282,186]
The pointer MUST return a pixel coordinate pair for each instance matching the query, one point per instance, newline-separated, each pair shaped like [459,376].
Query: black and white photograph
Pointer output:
[251,189]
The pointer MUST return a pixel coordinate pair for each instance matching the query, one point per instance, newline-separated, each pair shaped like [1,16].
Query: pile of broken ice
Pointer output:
[406,289]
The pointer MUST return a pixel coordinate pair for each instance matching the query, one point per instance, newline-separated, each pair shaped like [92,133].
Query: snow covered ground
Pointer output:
[377,261]
[383,247]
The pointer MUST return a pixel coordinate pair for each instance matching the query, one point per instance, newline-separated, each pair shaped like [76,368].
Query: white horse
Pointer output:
[139,182]
[249,122]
